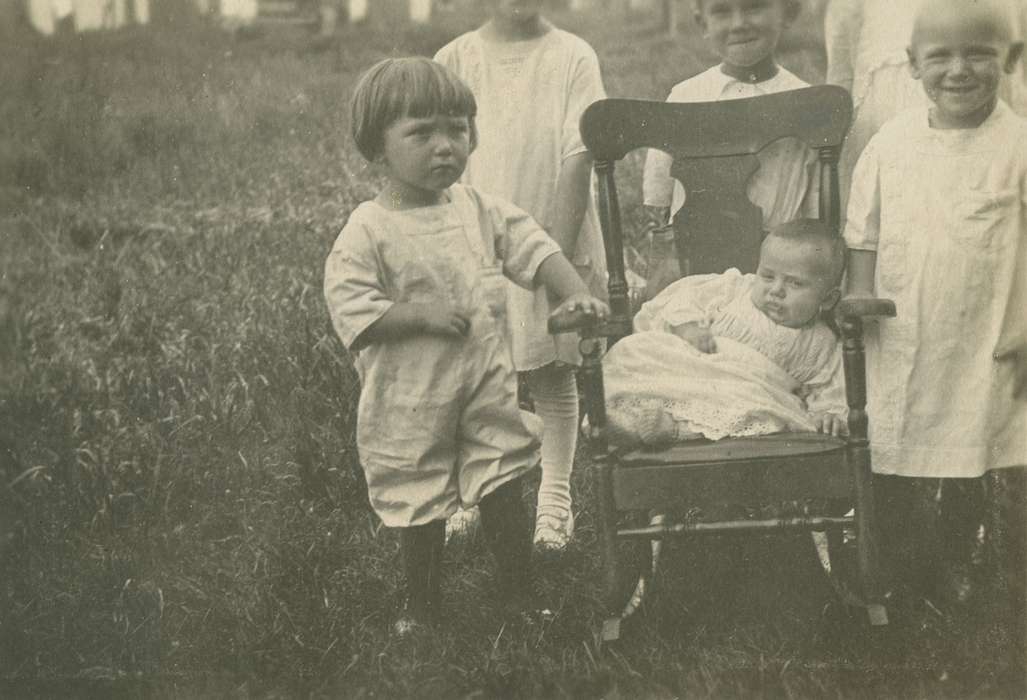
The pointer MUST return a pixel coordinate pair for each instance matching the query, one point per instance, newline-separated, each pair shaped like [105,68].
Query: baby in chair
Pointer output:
[736,355]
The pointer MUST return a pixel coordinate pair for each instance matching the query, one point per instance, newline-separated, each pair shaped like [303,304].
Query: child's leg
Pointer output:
[961,512]
[504,521]
[421,548]
[1008,540]
[555,394]
[899,504]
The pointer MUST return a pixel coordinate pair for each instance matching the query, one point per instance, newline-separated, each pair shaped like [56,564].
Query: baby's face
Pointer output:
[790,286]
[743,32]
[960,54]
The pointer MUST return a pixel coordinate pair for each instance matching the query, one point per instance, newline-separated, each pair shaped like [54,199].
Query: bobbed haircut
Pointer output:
[415,87]
[829,246]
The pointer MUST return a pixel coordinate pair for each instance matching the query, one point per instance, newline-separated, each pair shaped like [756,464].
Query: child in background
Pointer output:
[532,82]
[744,34]
[866,43]
[736,355]
[937,222]
[415,286]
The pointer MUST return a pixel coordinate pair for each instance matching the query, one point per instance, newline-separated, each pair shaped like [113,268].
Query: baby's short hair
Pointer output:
[399,87]
[829,245]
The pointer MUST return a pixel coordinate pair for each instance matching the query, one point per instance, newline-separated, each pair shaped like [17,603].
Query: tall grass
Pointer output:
[180,501]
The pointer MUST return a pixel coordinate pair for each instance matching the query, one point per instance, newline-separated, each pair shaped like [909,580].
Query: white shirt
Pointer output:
[784,184]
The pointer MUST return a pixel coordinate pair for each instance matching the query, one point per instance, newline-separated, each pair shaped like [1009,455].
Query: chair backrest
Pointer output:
[714,147]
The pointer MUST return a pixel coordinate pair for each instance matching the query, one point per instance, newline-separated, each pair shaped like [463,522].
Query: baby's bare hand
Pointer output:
[698,336]
[830,424]
[443,320]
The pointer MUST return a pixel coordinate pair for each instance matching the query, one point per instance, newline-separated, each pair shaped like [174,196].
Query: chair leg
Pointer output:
[625,563]
[866,543]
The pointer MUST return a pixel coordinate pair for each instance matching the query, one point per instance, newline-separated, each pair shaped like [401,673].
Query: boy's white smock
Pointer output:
[763,378]
[946,211]
[531,95]
[438,424]
[784,187]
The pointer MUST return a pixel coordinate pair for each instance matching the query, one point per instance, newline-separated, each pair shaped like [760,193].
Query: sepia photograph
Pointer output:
[442,349]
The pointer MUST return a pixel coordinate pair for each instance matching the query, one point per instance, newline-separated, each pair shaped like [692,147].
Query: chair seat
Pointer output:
[777,445]
[784,466]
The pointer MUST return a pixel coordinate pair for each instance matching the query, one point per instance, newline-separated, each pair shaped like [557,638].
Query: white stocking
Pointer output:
[555,394]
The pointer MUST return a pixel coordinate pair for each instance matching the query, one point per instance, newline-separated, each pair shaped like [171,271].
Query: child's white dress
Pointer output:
[531,95]
[945,211]
[438,424]
[763,378]
[784,187]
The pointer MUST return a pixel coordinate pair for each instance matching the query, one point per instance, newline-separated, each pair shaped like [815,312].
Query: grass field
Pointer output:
[180,507]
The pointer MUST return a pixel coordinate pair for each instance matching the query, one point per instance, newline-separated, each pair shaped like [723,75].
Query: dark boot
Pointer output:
[961,512]
[896,505]
[1009,547]
[504,521]
[421,548]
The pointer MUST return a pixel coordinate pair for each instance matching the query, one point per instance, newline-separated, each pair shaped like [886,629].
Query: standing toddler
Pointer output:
[415,286]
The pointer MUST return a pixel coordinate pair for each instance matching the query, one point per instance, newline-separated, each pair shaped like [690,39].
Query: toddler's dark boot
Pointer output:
[504,520]
[421,548]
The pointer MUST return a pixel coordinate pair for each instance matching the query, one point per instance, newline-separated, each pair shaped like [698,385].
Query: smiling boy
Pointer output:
[936,222]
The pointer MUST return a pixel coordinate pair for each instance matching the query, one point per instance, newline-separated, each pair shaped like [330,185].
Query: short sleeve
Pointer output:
[447,56]
[586,87]
[657,185]
[353,287]
[520,243]
[863,225]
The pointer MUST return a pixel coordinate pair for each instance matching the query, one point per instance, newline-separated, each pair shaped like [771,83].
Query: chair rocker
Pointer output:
[714,147]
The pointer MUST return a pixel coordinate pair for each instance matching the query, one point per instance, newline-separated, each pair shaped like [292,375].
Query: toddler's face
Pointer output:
[790,287]
[426,154]
[960,64]
[743,32]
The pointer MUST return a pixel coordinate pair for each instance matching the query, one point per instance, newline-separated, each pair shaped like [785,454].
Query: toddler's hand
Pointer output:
[698,335]
[444,320]
[830,424]
[584,303]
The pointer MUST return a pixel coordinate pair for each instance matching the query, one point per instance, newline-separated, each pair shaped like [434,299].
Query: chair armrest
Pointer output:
[587,326]
[865,306]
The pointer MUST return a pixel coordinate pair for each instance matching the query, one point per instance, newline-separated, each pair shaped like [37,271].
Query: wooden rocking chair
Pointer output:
[714,147]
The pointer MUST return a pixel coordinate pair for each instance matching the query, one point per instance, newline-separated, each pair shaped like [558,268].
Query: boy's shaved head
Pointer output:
[959,51]
[987,19]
